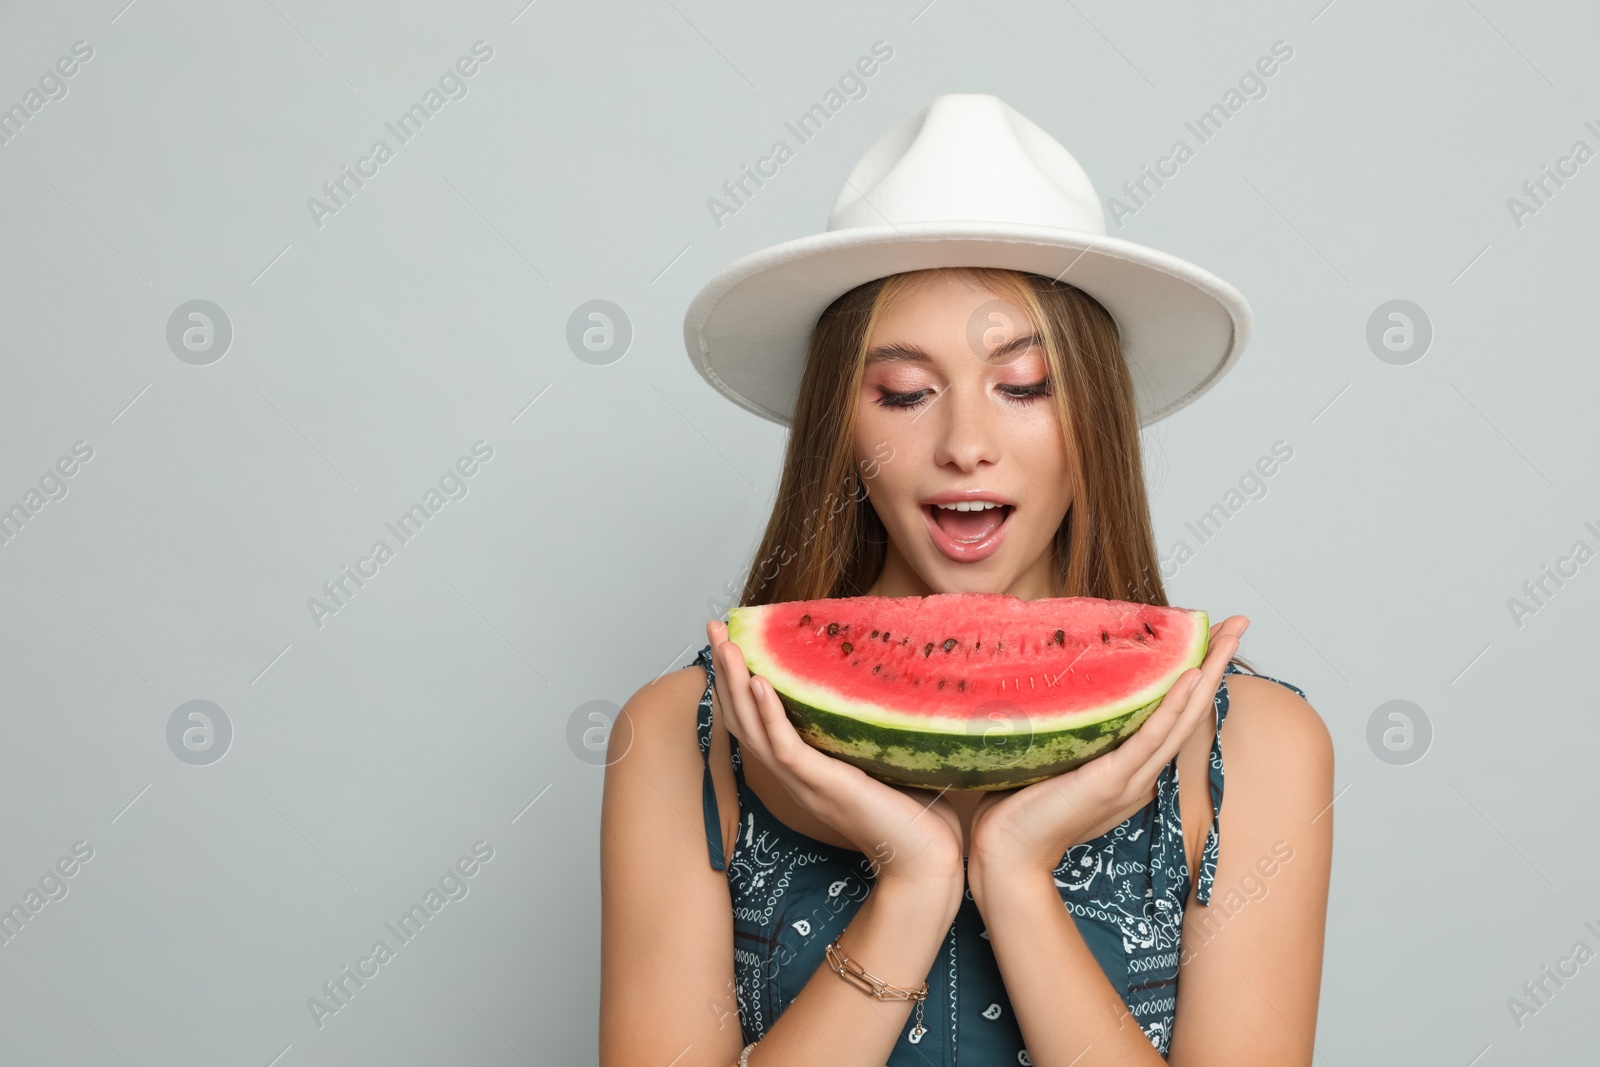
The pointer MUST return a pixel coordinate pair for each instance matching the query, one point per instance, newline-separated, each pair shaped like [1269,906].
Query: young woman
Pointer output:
[1054,924]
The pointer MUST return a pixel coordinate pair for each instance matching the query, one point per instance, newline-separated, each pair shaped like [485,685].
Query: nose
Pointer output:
[967,435]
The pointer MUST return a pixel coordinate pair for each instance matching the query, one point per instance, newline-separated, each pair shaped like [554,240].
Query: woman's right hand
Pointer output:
[910,834]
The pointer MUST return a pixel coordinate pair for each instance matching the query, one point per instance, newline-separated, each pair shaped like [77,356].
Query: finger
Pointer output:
[769,711]
[1146,740]
[733,681]
[760,710]
[790,752]
[1233,624]
[733,684]
[1194,710]
[759,714]
[721,704]
[1200,698]
[1170,725]
[719,683]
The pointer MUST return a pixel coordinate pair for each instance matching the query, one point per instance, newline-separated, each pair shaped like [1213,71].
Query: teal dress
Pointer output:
[1126,891]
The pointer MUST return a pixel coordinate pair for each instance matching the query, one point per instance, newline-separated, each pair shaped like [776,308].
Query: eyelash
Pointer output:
[1025,394]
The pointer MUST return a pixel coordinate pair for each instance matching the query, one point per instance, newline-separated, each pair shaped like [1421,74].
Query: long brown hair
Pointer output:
[825,540]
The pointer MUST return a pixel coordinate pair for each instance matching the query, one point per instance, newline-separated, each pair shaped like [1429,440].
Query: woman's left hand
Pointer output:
[1029,828]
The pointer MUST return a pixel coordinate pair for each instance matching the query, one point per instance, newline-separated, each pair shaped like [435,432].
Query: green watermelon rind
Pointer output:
[938,759]
[935,752]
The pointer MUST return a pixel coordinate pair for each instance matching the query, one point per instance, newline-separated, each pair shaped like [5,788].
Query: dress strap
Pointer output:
[1208,857]
[708,792]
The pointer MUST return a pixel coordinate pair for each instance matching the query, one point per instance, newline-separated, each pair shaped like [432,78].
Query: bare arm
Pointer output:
[666,921]
[1250,964]
[1250,969]
[666,974]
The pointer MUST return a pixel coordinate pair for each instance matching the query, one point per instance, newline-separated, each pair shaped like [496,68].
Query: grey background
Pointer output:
[436,708]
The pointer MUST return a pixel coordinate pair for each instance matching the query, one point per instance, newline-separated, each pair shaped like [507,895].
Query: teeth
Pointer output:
[969,505]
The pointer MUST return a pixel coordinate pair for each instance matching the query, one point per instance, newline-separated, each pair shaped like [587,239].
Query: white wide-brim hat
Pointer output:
[965,182]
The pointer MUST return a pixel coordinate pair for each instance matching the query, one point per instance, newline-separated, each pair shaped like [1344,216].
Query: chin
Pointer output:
[946,576]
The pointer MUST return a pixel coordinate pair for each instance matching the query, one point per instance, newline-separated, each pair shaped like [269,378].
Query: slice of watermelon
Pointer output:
[968,690]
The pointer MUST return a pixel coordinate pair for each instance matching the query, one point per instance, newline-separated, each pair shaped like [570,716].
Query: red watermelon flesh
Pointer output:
[968,690]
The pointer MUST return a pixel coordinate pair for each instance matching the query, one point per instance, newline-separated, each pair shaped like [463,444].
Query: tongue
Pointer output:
[969,525]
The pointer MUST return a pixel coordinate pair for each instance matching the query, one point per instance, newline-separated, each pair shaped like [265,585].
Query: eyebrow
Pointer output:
[895,352]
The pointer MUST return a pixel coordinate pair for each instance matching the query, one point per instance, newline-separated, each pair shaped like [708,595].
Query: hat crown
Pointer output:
[968,157]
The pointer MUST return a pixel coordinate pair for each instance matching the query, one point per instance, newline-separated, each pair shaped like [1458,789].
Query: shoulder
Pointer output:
[659,718]
[651,799]
[1274,741]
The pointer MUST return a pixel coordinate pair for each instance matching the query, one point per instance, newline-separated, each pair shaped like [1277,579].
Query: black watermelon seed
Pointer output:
[833,628]
[1149,631]
[1105,638]
[926,652]
[961,684]
[804,619]
[949,643]
[905,640]
[886,635]
[1061,637]
[1002,646]
[978,645]
[941,683]
[846,647]
[872,635]
[878,668]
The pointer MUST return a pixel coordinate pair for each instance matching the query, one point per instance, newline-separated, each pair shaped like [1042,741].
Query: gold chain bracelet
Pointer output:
[872,985]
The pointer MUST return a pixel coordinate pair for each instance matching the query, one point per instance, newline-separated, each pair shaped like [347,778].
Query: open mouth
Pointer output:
[969,524]
[969,531]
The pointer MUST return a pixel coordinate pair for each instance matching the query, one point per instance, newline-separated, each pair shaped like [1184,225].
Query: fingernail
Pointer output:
[760,687]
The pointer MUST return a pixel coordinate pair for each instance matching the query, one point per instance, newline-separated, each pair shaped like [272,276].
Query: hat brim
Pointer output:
[748,330]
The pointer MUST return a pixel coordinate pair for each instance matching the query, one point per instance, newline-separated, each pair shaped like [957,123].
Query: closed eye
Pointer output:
[1016,394]
[890,399]
[1022,394]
